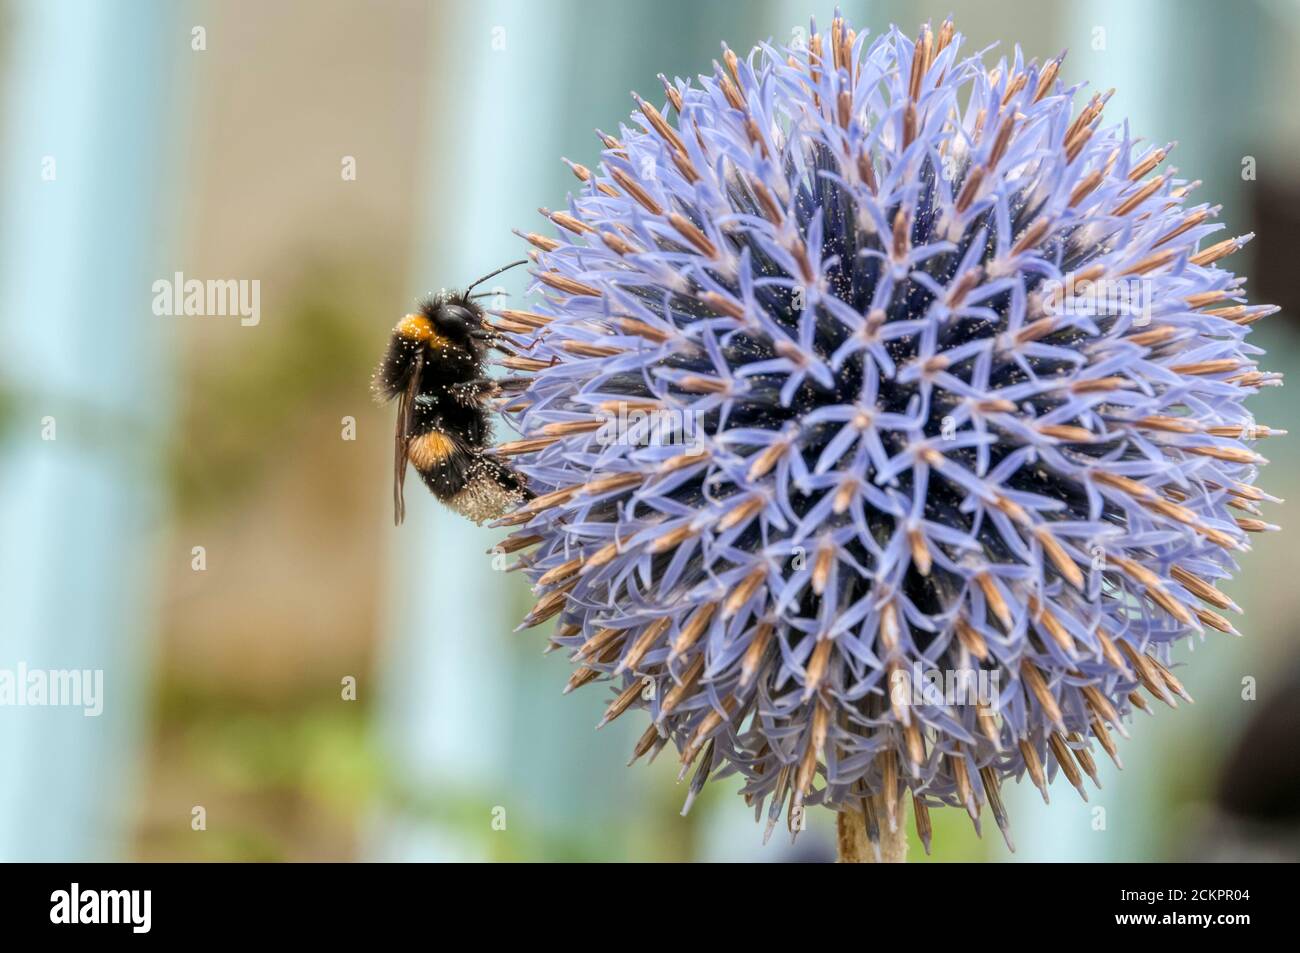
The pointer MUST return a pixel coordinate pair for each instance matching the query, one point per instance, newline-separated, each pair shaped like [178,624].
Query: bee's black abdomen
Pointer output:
[463,477]
[443,462]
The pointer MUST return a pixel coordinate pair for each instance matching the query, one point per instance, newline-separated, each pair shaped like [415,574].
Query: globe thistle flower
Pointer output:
[880,363]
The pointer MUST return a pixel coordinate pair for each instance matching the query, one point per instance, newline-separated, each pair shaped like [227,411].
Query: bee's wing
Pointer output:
[402,439]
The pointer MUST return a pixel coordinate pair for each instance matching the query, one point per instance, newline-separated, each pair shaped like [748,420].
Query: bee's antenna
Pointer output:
[493,274]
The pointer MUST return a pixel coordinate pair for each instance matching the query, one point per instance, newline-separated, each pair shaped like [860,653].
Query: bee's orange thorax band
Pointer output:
[417,327]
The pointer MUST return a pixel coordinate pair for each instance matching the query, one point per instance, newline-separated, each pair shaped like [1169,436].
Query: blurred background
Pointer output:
[200,506]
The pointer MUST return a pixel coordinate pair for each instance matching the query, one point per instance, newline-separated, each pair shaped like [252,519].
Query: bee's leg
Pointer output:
[514,347]
[506,477]
[472,393]
[508,349]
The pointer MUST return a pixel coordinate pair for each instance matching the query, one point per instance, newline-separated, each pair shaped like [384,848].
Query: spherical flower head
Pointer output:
[886,418]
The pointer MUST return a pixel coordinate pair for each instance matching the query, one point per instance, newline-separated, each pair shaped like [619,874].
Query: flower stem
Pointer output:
[853,845]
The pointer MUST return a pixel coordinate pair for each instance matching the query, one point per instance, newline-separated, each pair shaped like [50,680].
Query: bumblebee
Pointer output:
[435,367]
